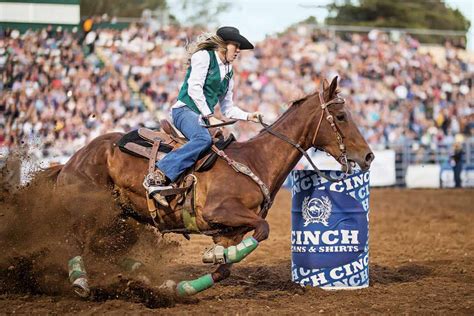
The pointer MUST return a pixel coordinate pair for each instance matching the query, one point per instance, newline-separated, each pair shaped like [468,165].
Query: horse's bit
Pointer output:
[342,158]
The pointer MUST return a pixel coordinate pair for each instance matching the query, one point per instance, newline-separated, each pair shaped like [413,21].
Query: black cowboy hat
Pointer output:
[229,33]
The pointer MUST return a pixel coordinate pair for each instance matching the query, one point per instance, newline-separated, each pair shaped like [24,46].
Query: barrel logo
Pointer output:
[316,210]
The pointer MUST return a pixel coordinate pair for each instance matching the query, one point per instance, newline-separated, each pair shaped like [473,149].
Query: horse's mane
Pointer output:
[291,107]
[295,104]
[299,101]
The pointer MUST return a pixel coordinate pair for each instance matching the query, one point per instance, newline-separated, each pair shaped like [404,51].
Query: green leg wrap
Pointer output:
[195,286]
[235,254]
[76,268]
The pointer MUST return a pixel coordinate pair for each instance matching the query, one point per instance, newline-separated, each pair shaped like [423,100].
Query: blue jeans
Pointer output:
[177,161]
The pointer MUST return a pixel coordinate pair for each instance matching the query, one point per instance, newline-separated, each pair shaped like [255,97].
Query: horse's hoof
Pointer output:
[81,287]
[168,286]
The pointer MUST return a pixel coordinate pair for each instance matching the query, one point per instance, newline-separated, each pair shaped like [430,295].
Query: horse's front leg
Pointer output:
[191,287]
[222,272]
[230,255]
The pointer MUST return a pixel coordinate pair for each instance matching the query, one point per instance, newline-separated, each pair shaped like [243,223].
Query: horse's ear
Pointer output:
[325,84]
[333,87]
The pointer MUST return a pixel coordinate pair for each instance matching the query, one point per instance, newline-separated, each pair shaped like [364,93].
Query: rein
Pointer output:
[342,158]
[223,123]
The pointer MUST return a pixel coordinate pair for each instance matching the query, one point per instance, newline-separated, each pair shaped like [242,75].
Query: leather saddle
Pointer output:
[139,143]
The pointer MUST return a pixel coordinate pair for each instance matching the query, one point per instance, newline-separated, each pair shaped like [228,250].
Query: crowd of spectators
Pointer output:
[59,89]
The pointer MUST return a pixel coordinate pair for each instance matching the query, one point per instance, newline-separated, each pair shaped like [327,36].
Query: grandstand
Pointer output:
[60,89]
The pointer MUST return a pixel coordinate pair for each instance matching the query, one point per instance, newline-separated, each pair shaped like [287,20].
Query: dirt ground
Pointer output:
[421,260]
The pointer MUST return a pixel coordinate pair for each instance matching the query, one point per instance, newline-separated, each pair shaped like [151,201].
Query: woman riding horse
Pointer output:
[101,202]
[209,79]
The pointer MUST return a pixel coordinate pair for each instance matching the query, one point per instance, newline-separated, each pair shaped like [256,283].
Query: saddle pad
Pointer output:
[134,137]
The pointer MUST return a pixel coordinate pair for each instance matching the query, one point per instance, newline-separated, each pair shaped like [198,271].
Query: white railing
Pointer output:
[413,153]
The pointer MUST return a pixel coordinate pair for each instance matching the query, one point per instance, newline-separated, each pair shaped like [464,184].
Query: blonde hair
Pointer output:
[205,41]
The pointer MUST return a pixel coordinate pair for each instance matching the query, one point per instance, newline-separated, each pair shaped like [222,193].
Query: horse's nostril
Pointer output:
[369,157]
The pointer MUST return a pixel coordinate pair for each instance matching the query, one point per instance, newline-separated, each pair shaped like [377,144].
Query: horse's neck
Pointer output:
[271,158]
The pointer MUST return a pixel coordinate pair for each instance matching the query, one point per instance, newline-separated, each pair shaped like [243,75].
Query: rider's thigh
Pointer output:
[187,122]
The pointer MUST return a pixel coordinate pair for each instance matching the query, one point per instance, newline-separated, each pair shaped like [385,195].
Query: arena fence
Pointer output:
[404,165]
[411,153]
[409,164]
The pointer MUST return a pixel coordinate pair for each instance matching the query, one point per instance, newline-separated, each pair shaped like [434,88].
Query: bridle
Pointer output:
[342,158]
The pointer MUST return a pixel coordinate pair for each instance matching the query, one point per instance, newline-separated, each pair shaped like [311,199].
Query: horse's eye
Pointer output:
[341,117]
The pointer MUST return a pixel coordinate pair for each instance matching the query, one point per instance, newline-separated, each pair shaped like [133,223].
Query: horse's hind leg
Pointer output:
[106,241]
[91,217]
[75,241]
[78,276]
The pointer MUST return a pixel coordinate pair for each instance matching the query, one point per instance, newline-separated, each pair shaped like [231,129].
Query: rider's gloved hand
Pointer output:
[253,117]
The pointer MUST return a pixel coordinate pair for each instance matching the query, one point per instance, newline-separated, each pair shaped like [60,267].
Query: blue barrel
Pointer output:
[330,230]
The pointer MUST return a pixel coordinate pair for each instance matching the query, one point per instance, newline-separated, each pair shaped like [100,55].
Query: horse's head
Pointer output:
[336,132]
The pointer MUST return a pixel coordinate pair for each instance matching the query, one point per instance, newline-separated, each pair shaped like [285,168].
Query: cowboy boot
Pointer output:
[155,183]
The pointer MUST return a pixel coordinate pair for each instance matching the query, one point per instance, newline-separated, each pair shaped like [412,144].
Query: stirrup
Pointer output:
[155,193]
[157,189]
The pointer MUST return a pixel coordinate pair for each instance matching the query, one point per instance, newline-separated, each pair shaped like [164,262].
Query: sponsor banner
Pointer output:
[423,176]
[329,237]
[47,13]
[382,169]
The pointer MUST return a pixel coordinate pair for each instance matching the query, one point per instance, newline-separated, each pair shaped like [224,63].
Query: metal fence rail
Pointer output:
[413,153]
[408,153]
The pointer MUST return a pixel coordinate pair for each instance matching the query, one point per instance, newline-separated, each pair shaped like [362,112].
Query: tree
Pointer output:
[119,8]
[310,20]
[420,14]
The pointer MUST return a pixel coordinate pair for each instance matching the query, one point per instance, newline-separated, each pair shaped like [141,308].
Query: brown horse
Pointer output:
[224,199]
